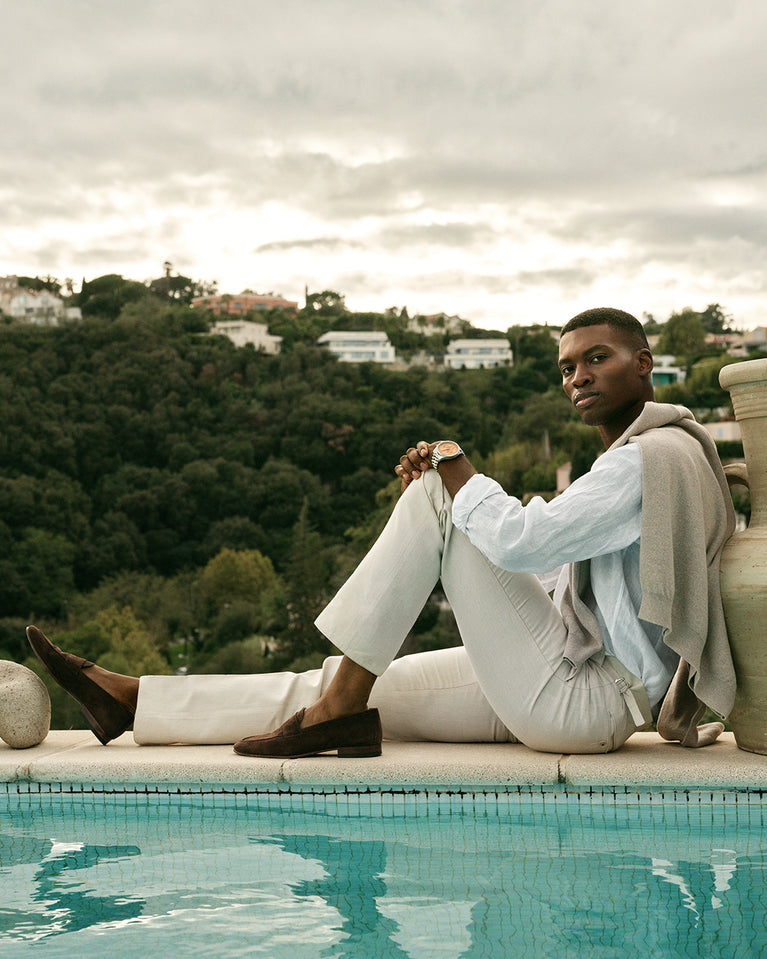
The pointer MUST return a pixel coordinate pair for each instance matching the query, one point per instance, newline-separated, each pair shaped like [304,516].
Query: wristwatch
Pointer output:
[445,450]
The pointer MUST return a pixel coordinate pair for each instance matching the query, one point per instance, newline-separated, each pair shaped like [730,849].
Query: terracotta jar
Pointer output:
[744,558]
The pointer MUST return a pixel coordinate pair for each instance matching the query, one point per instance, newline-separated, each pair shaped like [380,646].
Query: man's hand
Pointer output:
[415,461]
[454,472]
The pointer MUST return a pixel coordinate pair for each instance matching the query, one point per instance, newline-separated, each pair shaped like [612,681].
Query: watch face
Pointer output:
[448,448]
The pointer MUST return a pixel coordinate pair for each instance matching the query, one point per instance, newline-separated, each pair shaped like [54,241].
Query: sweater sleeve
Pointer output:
[599,513]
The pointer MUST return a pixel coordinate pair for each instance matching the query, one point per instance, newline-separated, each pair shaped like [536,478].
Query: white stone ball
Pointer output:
[25,706]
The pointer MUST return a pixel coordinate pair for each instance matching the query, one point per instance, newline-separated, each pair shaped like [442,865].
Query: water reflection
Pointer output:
[258,877]
[395,901]
[353,885]
[58,901]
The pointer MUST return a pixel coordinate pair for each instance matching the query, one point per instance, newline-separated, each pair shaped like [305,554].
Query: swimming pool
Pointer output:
[235,871]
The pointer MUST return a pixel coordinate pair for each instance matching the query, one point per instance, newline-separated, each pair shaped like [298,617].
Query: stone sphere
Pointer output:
[25,706]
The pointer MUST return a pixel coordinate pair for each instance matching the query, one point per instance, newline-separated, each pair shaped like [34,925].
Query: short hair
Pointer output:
[619,320]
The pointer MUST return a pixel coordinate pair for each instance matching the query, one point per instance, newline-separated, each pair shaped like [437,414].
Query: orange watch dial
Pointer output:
[447,448]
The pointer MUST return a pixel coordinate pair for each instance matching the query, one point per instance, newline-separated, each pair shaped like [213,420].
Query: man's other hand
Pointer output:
[415,461]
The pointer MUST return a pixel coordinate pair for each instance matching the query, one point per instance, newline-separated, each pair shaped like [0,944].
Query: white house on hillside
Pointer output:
[359,346]
[435,323]
[241,332]
[478,353]
[756,339]
[40,307]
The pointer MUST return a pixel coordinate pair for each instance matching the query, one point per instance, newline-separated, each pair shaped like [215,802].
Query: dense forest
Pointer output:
[168,500]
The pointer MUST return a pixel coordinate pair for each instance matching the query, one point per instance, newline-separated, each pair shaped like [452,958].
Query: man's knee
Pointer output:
[432,489]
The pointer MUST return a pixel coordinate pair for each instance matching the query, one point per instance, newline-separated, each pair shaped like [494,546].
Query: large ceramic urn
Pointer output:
[744,558]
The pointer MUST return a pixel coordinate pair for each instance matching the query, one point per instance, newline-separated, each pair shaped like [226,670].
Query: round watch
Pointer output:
[445,450]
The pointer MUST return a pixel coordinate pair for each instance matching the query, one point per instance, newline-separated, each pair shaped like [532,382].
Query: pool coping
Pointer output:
[644,762]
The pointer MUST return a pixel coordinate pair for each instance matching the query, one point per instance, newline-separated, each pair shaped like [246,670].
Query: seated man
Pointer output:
[636,605]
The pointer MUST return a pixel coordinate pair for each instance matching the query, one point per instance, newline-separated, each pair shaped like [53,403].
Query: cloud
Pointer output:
[326,244]
[512,148]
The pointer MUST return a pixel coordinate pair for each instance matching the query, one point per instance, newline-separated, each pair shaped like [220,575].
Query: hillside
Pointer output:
[134,451]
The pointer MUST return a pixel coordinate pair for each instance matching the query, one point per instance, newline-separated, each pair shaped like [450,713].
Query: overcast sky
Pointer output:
[513,161]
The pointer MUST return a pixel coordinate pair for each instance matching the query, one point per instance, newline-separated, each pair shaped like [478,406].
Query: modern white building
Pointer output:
[478,353]
[665,371]
[360,346]
[756,339]
[242,332]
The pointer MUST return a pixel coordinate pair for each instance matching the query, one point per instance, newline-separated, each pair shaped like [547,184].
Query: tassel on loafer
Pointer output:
[107,717]
[350,736]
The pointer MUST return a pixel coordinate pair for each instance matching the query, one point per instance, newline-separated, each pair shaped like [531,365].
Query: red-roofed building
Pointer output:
[229,304]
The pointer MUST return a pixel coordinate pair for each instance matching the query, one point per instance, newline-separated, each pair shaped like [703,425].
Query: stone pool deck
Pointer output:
[645,762]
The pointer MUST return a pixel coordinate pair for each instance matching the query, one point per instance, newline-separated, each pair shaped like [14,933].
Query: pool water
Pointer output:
[411,874]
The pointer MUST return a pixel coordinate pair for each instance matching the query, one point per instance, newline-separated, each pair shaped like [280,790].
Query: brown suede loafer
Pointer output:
[106,716]
[357,735]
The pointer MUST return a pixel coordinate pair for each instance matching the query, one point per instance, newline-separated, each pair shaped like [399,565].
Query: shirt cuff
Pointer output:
[470,495]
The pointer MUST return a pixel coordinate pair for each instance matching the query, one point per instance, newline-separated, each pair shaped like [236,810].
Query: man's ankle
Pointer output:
[123,688]
[325,711]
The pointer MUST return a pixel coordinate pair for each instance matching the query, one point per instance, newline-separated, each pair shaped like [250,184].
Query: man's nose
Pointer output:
[582,375]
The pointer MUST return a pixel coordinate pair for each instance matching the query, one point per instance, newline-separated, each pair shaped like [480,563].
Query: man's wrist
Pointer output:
[445,450]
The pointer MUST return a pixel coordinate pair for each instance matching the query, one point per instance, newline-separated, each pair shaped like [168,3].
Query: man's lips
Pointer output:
[583,400]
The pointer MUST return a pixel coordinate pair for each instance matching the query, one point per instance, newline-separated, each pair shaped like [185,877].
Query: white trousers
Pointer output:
[508,682]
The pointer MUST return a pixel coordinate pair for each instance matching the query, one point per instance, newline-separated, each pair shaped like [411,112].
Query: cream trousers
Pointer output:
[507,682]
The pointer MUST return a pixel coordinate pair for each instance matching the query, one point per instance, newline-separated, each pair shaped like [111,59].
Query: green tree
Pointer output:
[243,656]
[306,574]
[327,303]
[651,325]
[714,319]
[584,447]
[508,465]
[43,564]
[683,334]
[701,389]
[234,575]
[107,295]
[543,419]
[131,649]
[38,283]
[174,287]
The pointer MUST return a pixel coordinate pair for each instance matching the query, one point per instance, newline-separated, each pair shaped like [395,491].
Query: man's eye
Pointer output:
[566,370]
[598,358]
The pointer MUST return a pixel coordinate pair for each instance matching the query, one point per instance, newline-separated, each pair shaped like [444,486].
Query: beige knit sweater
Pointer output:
[687,517]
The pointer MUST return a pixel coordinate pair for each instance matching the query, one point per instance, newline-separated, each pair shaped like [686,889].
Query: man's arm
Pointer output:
[454,473]
[599,513]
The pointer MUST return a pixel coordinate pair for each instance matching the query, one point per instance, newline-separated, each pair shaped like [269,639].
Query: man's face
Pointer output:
[604,377]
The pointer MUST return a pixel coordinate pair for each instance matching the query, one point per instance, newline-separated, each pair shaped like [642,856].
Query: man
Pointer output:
[636,604]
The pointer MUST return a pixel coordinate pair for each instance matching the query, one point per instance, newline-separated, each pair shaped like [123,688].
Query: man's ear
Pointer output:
[645,362]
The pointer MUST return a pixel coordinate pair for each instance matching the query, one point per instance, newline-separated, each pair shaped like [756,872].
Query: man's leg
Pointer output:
[513,634]
[426,696]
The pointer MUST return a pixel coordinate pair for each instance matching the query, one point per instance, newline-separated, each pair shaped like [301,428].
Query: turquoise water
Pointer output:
[302,875]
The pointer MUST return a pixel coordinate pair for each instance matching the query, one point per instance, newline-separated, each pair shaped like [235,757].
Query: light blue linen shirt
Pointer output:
[599,517]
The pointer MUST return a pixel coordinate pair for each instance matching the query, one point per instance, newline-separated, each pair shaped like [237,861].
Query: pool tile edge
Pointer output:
[645,762]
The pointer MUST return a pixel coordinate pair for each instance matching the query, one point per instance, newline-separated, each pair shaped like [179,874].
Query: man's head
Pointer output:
[606,367]
[617,320]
